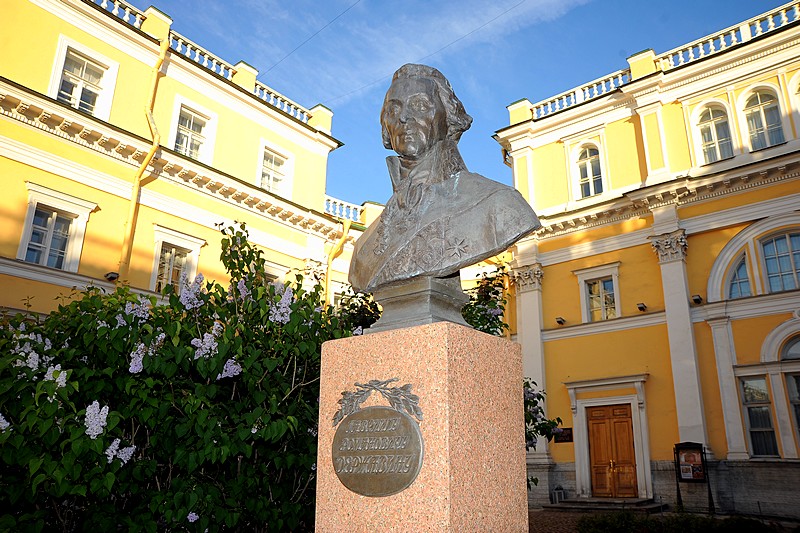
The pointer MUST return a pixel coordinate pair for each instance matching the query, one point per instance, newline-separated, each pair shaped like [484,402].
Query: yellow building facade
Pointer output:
[660,301]
[124,145]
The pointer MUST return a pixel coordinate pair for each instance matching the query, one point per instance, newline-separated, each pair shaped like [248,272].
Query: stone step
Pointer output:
[637,505]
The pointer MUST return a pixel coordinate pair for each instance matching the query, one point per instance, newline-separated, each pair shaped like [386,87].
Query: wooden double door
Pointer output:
[613,460]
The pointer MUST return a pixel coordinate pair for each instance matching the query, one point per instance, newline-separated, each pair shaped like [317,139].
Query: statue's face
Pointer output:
[413,116]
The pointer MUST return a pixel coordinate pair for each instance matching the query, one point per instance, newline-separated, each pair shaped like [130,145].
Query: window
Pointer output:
[739,285]
[763,120]
[55,223]
[82,78]
[193,131]
[591,179]
[272,172]
[47,242]
[599,288]
[782,258]
[172,263]
[175,254]
[600,293]
[715,135]
[758,414]
[189,138]
[80,82]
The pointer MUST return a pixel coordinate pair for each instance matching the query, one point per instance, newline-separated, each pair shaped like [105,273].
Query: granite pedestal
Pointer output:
[470,391]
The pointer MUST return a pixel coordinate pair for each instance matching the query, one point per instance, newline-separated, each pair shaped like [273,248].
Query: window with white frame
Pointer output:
[193,131]
[48,238]
[176,255]
[590,176]
[80,84]
[172,263]
[782,260]
[273,177]
[758,414]
[54,228]
[82,78]
[715,134]
[739,283]
[599,288]
[793,384]
[189,138]
[763,116]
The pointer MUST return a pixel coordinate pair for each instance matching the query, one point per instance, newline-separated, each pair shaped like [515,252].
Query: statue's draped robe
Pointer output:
[440,219]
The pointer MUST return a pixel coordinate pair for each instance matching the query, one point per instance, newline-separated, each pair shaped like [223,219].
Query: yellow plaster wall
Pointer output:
[749,335]
[521,176]
[551,179]
[624,163]
[703,249]
[614,354]
[712,402]
[675,133]
[653,136]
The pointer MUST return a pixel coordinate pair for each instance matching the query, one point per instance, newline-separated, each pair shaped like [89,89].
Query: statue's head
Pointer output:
[421,109]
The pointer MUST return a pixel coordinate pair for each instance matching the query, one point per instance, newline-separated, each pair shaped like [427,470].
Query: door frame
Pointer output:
[641,439]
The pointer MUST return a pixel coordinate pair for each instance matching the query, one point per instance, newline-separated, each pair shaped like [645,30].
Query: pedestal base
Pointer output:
[422,300]
[470,391]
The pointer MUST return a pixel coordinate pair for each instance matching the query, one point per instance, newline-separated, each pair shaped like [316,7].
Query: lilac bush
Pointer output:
[196,411]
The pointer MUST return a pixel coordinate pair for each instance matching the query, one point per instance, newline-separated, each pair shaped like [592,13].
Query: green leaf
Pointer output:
[34,464]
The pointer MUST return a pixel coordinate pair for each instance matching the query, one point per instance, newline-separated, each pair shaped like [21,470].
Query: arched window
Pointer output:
[739,285]
[782,259]
[715,134]
[763,120]
[791,349]
[591,179]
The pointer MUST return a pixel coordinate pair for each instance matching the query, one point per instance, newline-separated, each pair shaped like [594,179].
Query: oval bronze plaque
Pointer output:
[377,451]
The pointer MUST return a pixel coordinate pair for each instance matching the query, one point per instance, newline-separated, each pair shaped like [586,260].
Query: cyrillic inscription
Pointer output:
[377,451]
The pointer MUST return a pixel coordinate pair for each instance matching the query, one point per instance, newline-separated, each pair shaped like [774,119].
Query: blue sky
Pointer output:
[529,49]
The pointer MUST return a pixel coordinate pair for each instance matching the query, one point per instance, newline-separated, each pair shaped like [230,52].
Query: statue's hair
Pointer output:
[458,121]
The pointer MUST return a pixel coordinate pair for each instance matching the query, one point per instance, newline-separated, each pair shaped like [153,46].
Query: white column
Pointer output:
[783,417]
[728,387]
[671,250]
[528,282]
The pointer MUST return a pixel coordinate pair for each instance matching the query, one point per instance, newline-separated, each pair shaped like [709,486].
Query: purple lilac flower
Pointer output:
[111,451]
[231,369]
[358,331]
[282,311]
[140,310]
[137,356]
[244,292]
[207,346]
[95,419]
[190,294]
[60,379]
[192,517]
[125,454]
[4,424]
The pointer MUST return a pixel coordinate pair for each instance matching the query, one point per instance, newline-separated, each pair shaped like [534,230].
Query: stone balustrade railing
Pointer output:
[276,99]
[342,209]
[122,10]
[200,55]
[585,92]
[737,34]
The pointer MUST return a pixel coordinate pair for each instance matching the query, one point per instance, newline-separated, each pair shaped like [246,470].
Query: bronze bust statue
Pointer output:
[441,217]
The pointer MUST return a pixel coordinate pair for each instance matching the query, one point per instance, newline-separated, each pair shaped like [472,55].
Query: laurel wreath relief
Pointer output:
[400,398]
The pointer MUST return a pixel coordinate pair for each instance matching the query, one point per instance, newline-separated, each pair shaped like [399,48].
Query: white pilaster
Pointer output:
[528,282]
[728,387]
[671,250]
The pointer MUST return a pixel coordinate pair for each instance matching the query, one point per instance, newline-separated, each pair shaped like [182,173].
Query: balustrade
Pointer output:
[341,209]
[122,10]
[731,36]
[276,99]
[585,92]
[200,55]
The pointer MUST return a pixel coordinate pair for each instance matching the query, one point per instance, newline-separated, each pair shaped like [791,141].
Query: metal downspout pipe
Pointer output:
[133,210]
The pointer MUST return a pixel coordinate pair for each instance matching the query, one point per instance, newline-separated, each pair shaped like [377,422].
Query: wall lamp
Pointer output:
[641,307]
[111,276]
[697,299]
[560,321]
